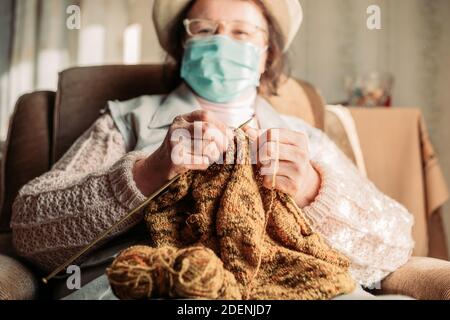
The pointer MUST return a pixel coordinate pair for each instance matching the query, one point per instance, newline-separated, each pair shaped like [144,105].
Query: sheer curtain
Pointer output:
[112,32]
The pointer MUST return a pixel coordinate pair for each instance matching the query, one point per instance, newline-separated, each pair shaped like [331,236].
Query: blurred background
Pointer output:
[333,47]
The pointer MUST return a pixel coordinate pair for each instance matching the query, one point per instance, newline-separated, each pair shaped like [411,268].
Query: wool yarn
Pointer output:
[143,272]
[139,273]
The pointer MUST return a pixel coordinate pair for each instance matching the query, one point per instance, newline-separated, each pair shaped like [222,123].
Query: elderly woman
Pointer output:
[226,55]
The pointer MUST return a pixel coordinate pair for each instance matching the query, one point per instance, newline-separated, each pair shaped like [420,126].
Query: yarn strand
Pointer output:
[266,220]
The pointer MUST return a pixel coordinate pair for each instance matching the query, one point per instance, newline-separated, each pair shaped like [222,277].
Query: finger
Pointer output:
[206,148]
[197,167]
[282,184]
[197,116]
[198,147]
[200,131]
[286,152]
[209,131]
[213,134]
[291,170]
[212,152]
[288,137]
[197,162]
[252,133]
[270,168]
[207,117]
[287,169]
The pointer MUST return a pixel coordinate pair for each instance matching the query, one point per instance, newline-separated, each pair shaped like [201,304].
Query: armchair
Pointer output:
[46,124]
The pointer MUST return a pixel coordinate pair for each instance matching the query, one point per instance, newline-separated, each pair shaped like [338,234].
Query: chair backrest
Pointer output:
[82,94]
[27,152]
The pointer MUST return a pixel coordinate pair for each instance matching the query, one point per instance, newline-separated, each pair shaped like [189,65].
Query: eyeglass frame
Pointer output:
[187,22]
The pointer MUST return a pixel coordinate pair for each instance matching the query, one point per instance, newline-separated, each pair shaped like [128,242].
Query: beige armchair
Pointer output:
[45,125]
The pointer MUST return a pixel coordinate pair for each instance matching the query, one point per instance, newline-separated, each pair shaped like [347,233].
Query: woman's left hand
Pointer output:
[285,153]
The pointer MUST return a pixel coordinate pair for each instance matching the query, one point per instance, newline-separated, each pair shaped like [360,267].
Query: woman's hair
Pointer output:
[276,59]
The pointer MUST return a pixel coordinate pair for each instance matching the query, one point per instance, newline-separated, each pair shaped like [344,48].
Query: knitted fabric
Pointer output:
[260,235]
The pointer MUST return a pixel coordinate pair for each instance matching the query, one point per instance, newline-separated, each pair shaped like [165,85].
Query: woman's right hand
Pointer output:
[194,142]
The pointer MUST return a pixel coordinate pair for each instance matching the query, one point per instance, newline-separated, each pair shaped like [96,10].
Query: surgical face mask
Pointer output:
[221,69]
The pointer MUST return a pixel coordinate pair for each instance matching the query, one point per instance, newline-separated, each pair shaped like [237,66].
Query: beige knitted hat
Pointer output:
[287,13]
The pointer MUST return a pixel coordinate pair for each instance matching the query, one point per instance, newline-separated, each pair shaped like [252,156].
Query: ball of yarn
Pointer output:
[195,273]
[138,273]
[200,274]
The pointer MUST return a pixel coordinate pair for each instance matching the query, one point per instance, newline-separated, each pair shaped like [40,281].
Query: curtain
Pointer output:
[6,27]
[112,32]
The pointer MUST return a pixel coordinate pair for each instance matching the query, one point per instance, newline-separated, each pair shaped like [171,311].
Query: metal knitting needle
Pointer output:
[126,217]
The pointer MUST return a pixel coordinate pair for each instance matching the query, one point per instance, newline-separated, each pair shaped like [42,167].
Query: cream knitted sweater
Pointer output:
[92,187]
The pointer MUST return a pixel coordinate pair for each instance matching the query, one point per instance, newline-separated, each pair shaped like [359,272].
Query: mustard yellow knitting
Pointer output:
[257,235]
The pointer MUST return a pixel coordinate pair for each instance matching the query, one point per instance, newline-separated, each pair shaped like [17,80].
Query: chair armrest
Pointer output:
[420,278]
[16,281]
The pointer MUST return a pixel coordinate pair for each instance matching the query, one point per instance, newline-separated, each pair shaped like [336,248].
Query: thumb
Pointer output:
[252,133]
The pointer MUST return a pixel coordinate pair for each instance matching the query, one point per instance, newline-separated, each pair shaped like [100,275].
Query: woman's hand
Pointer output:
[285,153]
[194,142]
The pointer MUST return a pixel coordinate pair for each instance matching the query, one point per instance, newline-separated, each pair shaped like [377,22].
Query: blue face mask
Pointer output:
[221,69]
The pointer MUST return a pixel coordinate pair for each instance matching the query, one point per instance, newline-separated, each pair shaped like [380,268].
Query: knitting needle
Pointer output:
[126,217]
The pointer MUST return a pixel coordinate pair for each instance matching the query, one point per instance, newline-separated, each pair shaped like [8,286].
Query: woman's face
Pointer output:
[233,10]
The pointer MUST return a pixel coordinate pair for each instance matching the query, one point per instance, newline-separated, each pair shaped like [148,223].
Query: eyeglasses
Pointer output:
[239,30]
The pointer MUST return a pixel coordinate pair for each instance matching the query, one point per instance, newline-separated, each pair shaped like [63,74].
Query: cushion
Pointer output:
[400,162]
[420,278]
[83,93]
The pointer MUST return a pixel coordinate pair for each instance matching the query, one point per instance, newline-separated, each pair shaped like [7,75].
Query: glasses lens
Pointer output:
[242,30]
[202,27]
[238,30]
